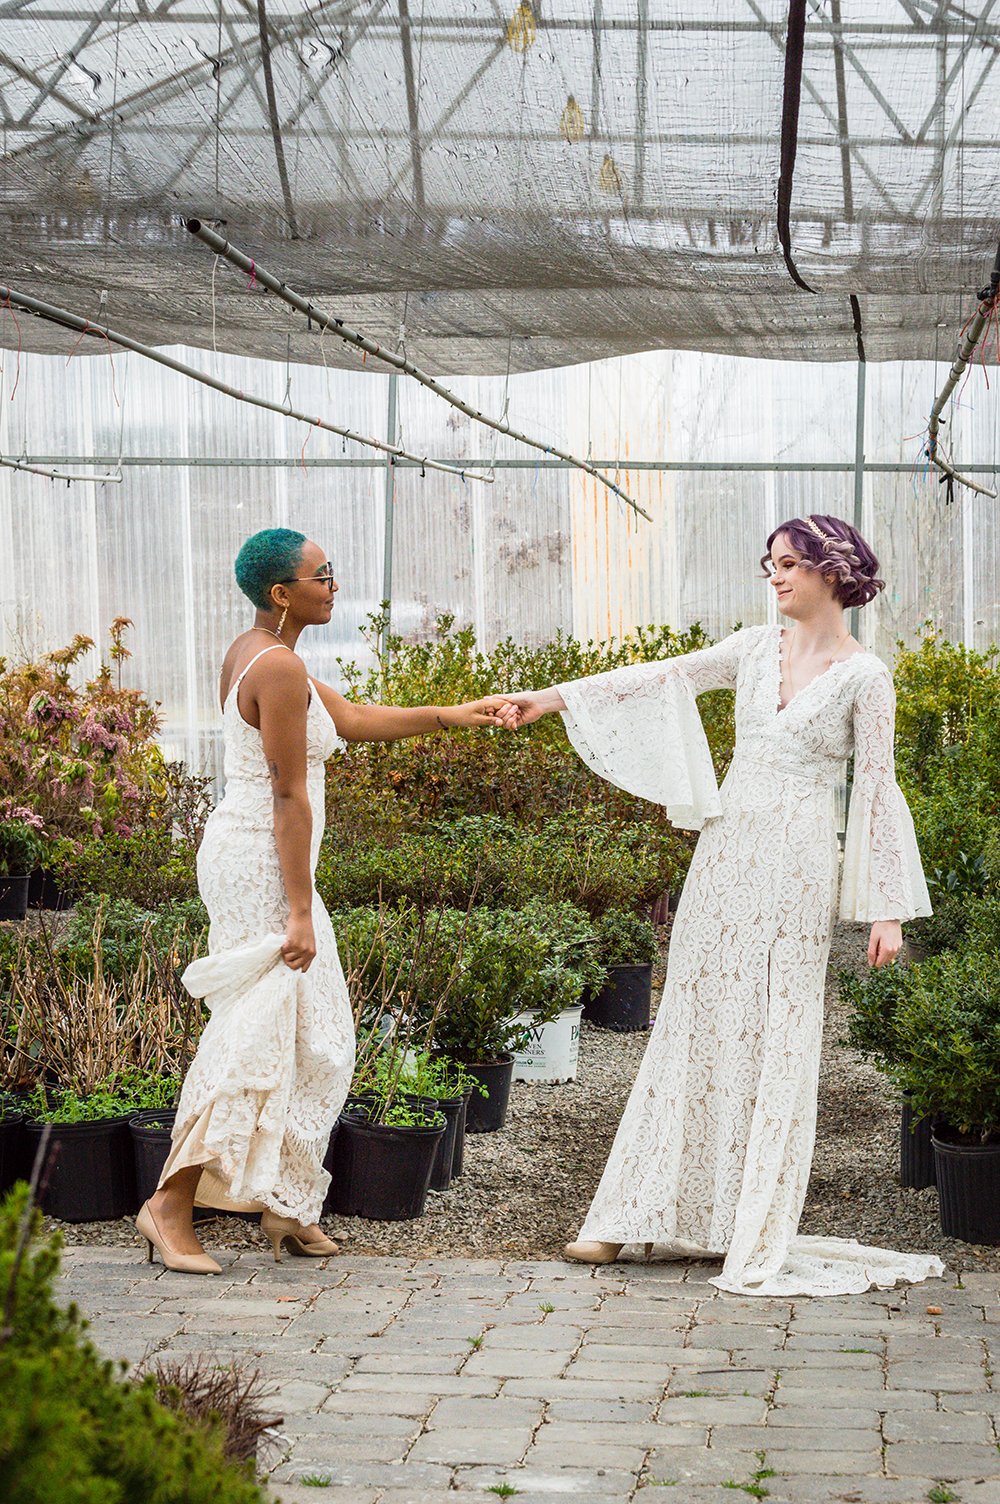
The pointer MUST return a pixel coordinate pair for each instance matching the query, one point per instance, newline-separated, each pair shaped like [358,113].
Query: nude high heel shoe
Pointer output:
[285,1230]
[593,1253]
[599,1253]
[182,1263]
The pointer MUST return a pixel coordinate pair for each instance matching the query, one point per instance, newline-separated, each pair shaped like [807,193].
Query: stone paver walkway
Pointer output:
[407,1382]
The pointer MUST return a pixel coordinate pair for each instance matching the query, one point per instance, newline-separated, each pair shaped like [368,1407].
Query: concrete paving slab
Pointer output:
[409,1382]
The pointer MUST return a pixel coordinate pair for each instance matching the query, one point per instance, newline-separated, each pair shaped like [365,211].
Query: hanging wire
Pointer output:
[215,268]
[82,326]
[111,145]
[217,70]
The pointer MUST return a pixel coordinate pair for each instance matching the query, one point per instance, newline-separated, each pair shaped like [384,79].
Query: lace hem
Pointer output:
[245,1168]
[831,1266]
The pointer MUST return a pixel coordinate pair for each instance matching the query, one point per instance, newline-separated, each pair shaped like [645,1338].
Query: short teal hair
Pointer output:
[267,557]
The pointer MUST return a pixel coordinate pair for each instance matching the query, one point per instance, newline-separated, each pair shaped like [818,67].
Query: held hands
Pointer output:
[885,943]
[521,709]
[493,710]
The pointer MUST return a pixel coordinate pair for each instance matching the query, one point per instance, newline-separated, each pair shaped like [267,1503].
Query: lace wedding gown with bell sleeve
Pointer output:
[275,1062]
[713,1152]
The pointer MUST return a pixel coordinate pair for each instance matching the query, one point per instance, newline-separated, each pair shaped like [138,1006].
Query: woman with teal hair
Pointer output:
[275,1061]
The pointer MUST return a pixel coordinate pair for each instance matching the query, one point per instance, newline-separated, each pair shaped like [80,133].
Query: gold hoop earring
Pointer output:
[281,622]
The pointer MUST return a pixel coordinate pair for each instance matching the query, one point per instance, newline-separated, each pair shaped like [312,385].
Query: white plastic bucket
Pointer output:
[552,1050]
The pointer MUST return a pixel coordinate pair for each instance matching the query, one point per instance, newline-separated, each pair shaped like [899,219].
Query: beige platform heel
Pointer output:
[181,1263]
[282,1231]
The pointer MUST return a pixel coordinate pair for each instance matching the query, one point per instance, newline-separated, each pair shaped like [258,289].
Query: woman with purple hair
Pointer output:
[712,1155]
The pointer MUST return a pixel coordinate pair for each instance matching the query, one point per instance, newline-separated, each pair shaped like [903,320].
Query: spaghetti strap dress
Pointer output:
[274,1064]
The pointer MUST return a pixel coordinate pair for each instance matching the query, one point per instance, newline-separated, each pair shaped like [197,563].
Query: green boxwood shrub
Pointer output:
[147,869]
[947,1035]
[972,924]
[73,1429]
[498,862]
[948,759]
[489,965]
[625,939]
[874,1000]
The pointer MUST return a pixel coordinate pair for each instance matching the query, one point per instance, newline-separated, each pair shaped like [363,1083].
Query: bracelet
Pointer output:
[443,724]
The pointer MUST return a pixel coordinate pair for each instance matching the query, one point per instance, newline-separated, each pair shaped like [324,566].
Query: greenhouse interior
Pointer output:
[587,383]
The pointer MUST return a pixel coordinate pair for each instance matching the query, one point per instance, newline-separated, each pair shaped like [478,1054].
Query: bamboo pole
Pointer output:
[966,349]
[73,321]
[255,271]
[66,475]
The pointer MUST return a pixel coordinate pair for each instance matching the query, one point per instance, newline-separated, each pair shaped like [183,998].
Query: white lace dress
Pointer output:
[274,1064]
[713,1152]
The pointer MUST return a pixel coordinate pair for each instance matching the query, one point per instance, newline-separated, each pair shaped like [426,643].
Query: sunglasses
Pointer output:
[325,577]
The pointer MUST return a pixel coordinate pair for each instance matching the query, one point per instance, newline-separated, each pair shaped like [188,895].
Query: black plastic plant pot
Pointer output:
[150,1146]
[968,1182]
[458,1156]
[14,897]
[444,1159]
[329,1165]
[624,1004]
[45,892]
[916,1153]
[487,1114]
[91,1174]
[11,1148]
[382,1173]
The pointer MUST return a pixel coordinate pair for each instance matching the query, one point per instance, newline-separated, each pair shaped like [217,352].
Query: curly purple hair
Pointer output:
[837,550]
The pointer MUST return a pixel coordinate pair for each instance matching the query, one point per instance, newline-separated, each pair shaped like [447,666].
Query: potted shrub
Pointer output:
[11,1141]
[101,1049]
[875,1000]
[50,887]
[21,847]
[505,965]
[91,1173]
[447,1085]
[382,1158]
[150,1100]
[550,1046]
[948,1027]
[626,949]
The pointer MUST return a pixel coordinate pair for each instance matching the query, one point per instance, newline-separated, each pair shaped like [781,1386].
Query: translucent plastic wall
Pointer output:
[538,550]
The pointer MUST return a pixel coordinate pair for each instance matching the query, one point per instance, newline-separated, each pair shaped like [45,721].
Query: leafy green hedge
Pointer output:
[948,759]
[173,932]
[378,788]
[497,862]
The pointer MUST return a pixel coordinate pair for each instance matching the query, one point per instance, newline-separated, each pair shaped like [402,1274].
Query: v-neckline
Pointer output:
[780,709]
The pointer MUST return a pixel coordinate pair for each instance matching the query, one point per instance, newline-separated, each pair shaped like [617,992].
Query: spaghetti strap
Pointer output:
[253,660]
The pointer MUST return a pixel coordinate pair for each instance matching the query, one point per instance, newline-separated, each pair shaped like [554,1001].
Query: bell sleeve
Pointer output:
[639,728]
[883,877]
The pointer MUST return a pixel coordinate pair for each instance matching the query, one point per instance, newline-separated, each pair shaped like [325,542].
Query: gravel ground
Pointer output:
[525,1190]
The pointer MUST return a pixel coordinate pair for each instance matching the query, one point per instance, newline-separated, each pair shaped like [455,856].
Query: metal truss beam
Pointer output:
[923,21]
[363,462]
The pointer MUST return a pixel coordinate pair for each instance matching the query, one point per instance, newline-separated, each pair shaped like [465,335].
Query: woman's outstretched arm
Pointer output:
[389,723]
